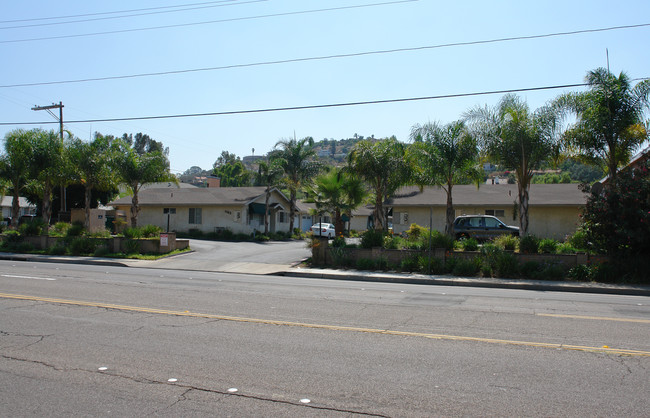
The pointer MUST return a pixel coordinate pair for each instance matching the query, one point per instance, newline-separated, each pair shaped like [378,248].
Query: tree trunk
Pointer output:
[47,204]
[449,228]
[338,223]
[87,191]
[266,211]
[15,207]
[292,209]
[135,208]
[379,213]
[523,209]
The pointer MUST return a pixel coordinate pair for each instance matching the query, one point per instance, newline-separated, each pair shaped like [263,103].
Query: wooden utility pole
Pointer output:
[60,119]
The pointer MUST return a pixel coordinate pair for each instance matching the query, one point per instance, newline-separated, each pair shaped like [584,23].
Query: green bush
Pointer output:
[372,238]
[469,244]
[382,263]
[131,246]
[33,227]
[75,230]
[82,245]
[365,264]
[467,268]
[260,237]
[530,269]
[440,240]
[506,242]
[12,236]
[566,248]
[101,251]
[581,272]
[60,229]
[551,271]
[104,233]
[338,242]
[56,250]
[529,244]
[24,247]
[409,264]
[132,233]
[392,242]
[431,266]
[507,265]
[579,240]
[547,246]
[151,231]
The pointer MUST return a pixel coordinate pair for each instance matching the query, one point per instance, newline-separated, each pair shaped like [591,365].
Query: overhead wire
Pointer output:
[209,22]
[228,3]
[333,56]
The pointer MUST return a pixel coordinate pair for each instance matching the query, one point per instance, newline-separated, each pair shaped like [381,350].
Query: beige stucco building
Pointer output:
[554,209]
[238,209]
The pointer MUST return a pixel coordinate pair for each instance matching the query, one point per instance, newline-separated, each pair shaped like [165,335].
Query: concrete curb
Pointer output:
[53,259]
[539,285]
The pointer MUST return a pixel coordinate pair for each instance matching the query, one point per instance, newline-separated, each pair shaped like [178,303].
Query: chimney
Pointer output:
[214,181]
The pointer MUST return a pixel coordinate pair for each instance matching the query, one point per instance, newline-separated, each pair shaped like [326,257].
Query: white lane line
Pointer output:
[26,277]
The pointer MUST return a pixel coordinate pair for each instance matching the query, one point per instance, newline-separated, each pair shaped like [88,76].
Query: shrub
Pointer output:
[382,263]
[24,247]
[12,236]
[566,248]
[60,229]
[33,227]
[131,246]
[506,265]
[430,266]
[490,253]
[440,240]
[547,245]
[392,242]
[372,238]
[469,244]
[365,264]
[409,264]
[82,245]
[100,234]
[101,251]
[530,269]
[581,272]
[133,233]
[338,242]
[529,244]
[579,239]
[260,237]
[56,250]
[467,268]
[339,257]
[507,242]
[75,230]
[151,231]
[551,271]
[415,232]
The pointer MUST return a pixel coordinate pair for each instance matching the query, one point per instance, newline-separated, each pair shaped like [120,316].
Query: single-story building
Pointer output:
[238,209]
[553,211]
[26,208]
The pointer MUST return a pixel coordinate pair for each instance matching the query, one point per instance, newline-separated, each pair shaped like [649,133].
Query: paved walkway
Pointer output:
[186,262]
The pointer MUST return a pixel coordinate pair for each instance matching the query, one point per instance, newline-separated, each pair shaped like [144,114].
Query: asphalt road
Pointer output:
[306,347]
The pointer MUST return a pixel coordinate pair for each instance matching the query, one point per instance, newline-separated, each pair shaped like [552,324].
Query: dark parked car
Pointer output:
[482,227]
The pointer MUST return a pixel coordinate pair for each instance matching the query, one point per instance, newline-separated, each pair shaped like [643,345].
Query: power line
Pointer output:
[108,13]
[236,19]
[229,3]
[335,56]
[308,107]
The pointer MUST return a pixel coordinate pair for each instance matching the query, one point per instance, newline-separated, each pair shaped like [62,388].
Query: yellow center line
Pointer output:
[599,318]
[328,327]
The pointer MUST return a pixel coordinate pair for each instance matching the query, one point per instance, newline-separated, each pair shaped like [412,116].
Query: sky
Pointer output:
[224,57]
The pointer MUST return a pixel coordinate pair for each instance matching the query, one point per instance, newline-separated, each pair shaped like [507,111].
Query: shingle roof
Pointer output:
[489,195]
[217,196]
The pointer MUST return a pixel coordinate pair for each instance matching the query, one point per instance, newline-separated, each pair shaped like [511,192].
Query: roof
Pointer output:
[167,185]
[488,195]
[217,196]
[7,201]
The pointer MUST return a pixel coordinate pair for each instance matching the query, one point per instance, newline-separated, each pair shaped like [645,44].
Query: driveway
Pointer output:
[237,257]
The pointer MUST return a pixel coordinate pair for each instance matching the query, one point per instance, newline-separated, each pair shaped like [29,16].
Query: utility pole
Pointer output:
[60,119]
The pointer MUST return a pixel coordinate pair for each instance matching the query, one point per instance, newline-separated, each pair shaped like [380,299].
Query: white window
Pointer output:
[195,216]
[283,217]
[495,212]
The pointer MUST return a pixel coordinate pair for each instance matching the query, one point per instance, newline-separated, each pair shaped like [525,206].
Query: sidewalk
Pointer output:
[177,263]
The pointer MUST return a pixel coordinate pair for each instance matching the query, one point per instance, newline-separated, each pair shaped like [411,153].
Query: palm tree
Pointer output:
[47,168]
[15,166]
[268,174]
[296,158]
[609,124]
[382,165]
[337,192]
[514,137]
[92,167]
[136,167]
[444,156]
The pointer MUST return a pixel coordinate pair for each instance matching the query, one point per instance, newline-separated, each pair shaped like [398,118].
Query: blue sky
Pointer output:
[247,37]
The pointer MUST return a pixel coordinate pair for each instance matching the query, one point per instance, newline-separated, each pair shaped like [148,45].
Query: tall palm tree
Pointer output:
[337,192]
[15,166]
[47,168]
[296,158]
[609,124]
[513,136]
[269,175]
[383,166]
[444,156]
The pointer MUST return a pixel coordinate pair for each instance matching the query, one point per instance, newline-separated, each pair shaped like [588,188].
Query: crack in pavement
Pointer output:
[189,388]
